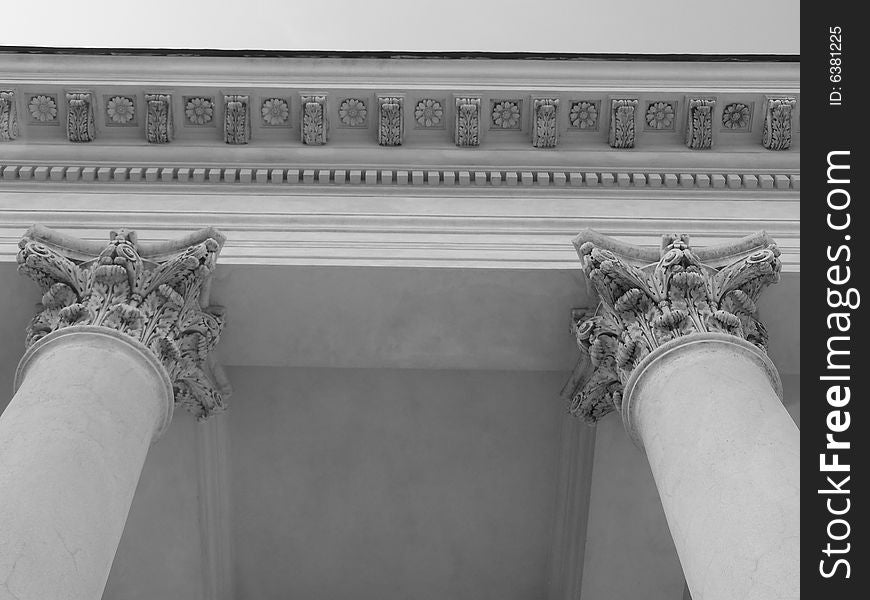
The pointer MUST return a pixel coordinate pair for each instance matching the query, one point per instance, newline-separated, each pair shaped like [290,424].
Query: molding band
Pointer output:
[127,344]
[685,344]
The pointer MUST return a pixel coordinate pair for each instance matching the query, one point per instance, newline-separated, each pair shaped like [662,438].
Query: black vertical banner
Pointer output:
[836,233]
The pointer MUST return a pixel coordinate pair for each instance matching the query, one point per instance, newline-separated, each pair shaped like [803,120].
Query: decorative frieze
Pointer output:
[622,126]
[776,134]
[506,112]
[391,120]
[313,121]
[158,118]
[154,297]
[8,116]
[80,125]
[467,131]
[237,119]
[545,122]
[699,123]
[644,306]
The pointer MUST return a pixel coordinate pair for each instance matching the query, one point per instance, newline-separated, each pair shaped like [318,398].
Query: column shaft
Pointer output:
[72,444]
[724,453]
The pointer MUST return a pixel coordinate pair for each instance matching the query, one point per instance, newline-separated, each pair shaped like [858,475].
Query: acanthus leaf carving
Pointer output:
[776,133]
[622,122]
[467,132]
[80,126]
[158,118]
[155,302]
[8,116]
[699,123]
[643,307]
[600,391]
[237,119]
[314,125]
[391,122]
[545,126]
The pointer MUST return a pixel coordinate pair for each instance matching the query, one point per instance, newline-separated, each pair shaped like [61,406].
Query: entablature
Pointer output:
[523,154]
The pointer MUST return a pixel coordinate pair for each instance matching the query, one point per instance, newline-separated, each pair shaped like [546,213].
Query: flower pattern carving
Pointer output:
[199,111]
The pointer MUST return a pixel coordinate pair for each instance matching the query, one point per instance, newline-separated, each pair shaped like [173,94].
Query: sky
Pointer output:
[561,26]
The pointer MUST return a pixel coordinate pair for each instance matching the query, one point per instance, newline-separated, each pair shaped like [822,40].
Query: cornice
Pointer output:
[413,73]
[537,105]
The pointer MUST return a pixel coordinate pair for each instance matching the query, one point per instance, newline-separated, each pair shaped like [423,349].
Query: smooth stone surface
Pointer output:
[72,444]
[724,453]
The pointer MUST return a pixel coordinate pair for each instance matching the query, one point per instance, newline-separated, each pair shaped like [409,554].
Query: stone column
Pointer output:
[677,347]
[121,335]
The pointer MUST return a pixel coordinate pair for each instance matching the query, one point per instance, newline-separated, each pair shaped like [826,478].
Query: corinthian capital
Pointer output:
[648,299]
[155,293]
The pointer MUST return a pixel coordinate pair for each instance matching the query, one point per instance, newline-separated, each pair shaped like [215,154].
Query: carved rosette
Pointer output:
[314,120]
[391,123]
[545,130]
[237,120]
[699,123]
[80,125]
[156,301]
[642,307]
[776,133]
[622,126]
[8,116]
[158,118]
[467,132]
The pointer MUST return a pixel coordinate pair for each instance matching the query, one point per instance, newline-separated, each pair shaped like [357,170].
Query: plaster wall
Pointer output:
[160,552]
[393,483]
[360,483]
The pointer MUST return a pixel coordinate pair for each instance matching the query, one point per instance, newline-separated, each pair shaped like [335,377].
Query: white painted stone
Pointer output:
[72,444]
[724,453]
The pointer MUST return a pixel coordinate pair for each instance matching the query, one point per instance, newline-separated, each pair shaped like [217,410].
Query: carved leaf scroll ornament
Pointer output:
[776,133]
[699,123]
[391,124]
[155,303]
[644,307]
[80,125]
[158,118]
[237,119]
[467,121]
[314,120]
[545,130]
[8,116]
[622,127]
